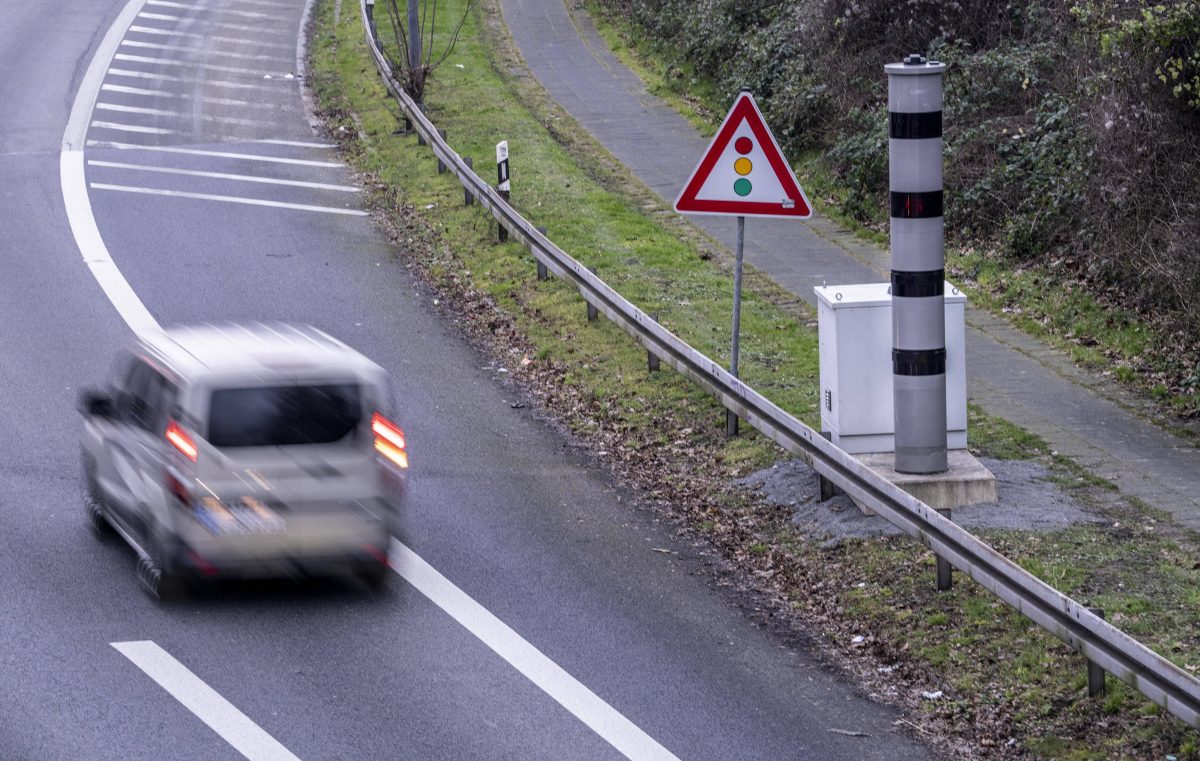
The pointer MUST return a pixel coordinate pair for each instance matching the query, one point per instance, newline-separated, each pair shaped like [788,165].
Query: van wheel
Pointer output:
[163,587]
[375,577]
[93,502]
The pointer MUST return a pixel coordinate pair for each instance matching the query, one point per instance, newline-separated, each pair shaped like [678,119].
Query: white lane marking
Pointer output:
[134,128]
[296,143]
[91,246]
[228,199]
[200,51]
[206,82]
[201,8]
[215,24]
[198,65]
[571,694]
[224,176]
[216,154]
[121,108]
[158,32]
[125,90]
[234,727]
[74,184]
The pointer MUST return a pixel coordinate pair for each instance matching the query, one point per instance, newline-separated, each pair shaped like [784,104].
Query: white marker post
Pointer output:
[743,174]
[503,184]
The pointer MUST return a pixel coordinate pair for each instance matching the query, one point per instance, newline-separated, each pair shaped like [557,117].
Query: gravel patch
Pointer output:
[1028,501]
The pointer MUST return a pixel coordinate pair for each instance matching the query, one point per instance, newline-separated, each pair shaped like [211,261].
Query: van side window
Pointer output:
[150,397]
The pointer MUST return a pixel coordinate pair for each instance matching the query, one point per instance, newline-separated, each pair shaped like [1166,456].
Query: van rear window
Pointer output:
[279,416]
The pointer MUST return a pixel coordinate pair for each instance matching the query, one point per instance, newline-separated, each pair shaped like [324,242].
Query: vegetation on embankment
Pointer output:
[1000,677]
[1072,136]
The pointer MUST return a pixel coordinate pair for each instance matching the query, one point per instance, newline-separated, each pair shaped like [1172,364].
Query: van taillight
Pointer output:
[389,440]
[181,441]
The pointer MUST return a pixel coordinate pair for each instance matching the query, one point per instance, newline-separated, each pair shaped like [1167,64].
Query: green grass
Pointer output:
[989,656]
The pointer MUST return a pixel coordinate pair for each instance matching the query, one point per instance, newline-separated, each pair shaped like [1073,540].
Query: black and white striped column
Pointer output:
[918,264]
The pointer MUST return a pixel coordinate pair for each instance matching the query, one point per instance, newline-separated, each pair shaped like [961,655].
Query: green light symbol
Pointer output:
[742,187]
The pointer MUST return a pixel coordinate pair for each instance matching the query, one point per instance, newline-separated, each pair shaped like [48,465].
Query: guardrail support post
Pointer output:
[829,489]
[542,272]
[468,199]
[1094,670]
[592,312]
[420,137]
[441,164]
[652,362]
[945,573]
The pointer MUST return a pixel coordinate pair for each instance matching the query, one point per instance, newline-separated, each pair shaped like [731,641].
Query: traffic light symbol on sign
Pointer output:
[743,166]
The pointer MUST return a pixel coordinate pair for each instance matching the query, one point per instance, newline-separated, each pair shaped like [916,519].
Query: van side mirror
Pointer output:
[95,403]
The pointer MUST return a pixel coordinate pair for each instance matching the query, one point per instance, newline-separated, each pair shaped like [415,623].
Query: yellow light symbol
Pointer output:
[743,166]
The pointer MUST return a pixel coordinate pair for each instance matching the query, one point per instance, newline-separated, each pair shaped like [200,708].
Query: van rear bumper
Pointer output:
[366,556]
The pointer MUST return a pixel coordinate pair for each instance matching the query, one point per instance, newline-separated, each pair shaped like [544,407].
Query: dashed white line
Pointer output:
[216,154]
[200,51]
[233,726]
[207,83]
[144,75]
[224,176]
[134,128]
[227,199]
[571,694]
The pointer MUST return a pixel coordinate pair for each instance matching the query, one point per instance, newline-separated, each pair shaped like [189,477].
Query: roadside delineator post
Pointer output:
[918,264]
[503,184]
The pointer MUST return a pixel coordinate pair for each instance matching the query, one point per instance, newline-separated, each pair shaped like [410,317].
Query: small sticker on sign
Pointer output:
[788,203]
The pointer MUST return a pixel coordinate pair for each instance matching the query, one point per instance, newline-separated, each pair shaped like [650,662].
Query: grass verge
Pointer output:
[1001,679]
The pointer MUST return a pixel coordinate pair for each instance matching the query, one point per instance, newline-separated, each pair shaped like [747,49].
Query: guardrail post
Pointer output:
[1094,670]
[441,164]
[420,137]
[652,362]
[829,489]
[468,199]
[945,572]
[592,311]
[542,272]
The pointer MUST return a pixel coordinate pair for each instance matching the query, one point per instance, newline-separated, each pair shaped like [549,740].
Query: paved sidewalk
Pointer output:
[1009,374]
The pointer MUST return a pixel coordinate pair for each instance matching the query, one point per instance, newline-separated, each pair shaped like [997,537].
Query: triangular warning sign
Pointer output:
[743,172]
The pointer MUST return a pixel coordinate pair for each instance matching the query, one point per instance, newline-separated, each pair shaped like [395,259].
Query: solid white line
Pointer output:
[91,246]
[156,31]
[217,154]
[188,96]
[201,51]
[234,727]
[296,143]
[217,24]
[228,199]
[134,128]
[205,83]
[121,108]
[185,6]
[74,184]
[589,708]
[225,176]
[196,65]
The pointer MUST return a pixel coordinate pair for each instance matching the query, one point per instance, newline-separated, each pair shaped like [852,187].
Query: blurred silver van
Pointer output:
[244,450]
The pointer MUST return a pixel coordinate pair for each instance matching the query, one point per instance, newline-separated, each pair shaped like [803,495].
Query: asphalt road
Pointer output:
[544,626]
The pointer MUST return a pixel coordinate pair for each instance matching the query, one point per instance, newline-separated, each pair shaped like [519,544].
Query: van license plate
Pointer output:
[245,516]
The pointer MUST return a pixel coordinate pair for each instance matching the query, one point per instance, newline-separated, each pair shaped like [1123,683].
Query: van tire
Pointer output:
[93,502]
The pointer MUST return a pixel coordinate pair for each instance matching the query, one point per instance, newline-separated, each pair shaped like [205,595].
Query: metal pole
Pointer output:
[414,37]
[918,264]
[731,419]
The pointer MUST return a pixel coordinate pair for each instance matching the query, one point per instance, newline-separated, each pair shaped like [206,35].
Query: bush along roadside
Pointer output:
[1002,687]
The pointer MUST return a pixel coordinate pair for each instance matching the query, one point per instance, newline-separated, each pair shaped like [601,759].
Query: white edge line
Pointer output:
[572,695]
[228,199]
[234,727]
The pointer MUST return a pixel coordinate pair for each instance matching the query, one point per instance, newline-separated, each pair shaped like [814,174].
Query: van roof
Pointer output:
[252,347]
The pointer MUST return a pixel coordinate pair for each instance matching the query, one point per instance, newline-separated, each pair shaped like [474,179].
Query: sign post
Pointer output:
[742,173]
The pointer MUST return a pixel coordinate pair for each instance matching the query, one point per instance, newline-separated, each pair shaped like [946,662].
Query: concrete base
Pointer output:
[967,482]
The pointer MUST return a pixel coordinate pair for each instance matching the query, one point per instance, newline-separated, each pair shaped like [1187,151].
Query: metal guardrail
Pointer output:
[1157,678]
